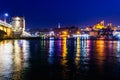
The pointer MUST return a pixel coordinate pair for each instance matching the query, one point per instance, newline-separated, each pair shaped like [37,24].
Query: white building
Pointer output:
[18,24]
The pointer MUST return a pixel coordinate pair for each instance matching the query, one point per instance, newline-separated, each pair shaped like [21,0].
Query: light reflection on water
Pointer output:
[5,59]
[59,59]
[13,57]
[77,58]
[100,51]
[51,47]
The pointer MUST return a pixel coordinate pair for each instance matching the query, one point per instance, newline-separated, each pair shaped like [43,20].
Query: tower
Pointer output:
[18,24]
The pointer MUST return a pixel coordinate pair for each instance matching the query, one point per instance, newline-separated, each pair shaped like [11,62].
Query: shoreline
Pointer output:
[40,38]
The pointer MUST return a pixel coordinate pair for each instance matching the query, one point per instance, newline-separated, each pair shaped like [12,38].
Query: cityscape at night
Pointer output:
[59,40]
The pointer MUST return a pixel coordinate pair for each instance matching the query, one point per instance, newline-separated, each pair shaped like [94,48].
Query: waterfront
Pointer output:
[61,59]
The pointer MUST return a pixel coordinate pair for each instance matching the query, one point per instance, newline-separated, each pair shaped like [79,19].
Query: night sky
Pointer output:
[47,13]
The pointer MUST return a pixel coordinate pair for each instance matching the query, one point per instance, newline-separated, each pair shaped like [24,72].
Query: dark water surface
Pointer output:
[62,59]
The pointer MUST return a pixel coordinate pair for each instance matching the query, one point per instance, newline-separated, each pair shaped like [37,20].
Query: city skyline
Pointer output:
[45,13]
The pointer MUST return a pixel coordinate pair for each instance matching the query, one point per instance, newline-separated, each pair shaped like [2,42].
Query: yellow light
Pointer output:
[87,29]
[78,32]
[64,47]
[64,51]
[100,48]
[65,32]
[77,59]
[99,25]
[114,28]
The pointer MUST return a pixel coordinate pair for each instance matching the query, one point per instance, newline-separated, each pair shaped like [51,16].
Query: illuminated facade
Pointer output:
[99,26]
[18,24]
[64,34]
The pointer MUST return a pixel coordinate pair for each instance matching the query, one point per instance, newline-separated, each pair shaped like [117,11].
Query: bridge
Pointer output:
[5,30]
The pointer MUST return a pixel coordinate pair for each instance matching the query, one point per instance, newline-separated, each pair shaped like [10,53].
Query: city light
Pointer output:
[78,32]
[65,32]
[6,14]
[17,18]
[84,36]
[51,33]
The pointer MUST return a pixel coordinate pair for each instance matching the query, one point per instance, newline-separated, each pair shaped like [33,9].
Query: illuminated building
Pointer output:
[99,26]
[93,33]
[64,34]
[88,29]
[78,32]
[18,24]
[51,34]
[109,24]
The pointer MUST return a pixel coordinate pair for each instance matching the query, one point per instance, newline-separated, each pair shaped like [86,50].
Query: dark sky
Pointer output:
[47,13]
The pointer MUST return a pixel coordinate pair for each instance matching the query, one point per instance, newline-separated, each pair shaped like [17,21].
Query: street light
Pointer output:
[5,16]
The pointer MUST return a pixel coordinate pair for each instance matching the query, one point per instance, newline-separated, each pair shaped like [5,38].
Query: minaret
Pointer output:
[59,25]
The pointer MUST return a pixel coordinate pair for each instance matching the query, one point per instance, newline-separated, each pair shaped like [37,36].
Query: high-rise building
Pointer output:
[18,24]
